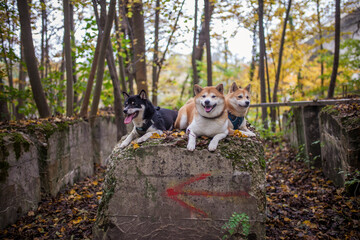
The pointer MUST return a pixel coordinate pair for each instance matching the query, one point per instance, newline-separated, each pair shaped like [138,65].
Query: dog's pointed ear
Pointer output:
[233,88]
[197,89]
[142,94]
[126,96]
[248,88]
[220,88]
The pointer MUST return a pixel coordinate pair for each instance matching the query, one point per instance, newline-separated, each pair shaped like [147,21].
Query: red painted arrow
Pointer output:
[174,192]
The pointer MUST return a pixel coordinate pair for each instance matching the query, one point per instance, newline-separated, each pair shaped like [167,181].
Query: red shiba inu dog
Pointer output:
[204,115]
[238,102]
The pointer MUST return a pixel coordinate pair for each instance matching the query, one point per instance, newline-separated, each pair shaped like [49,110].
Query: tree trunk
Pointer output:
[119,117]
[90,82]
[30,59]
[193,56]
[4,110]
[101,66]
[68,60]
[253,53]
[336,51]
[208,46]
[139,46]
[73,52]
[7,58]
[43,20]
[321,47]
[277,78]
[202,38]
[261,64]
[120,57]
[155,56]
[21,82]
[128,26]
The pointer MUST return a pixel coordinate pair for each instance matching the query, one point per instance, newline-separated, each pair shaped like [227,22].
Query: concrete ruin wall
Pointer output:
[301,127]
[323,132]
[162,191]
[340,138]
[29,165]
[19,180]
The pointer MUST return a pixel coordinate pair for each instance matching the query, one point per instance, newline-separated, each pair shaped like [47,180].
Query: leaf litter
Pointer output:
[69,215]
[301,203]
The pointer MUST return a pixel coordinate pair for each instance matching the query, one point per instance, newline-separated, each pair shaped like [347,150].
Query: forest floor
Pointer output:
[302,204]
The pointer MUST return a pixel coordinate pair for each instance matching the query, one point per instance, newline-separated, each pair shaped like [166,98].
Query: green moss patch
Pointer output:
[4,167]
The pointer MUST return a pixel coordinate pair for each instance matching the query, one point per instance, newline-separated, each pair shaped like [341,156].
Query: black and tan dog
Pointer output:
[146,118]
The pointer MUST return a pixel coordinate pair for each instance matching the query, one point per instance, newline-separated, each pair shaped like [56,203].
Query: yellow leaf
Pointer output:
[155,135]
[95,183]
[135,145]
[182,133]
[309,224]
[72,191]
[287,219]
[77,221]
[99,193]
[296,196]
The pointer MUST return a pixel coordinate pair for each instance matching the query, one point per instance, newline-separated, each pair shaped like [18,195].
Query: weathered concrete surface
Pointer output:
[45,161]
[68,157]
[163,191]
[20,180]
[340,137]
[301,127]
[103,138]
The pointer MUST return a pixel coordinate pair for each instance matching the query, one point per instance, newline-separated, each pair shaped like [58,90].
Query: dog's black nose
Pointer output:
[207,102]
[247,103]
[125,111]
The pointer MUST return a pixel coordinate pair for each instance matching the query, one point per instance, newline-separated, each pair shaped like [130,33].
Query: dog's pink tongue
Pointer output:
[208,109]
[129,118]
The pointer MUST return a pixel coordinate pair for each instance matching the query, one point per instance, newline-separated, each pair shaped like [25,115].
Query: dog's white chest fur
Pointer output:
[201,126]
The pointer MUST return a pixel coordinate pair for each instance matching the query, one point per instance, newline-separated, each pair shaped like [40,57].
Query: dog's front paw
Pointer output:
[191,147]
[123,145]
[141,140]
[212,146]
[249,134]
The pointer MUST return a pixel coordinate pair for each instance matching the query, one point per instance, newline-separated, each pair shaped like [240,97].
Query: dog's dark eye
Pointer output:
[240,96]
[247,97]
[203,96]
[213,96]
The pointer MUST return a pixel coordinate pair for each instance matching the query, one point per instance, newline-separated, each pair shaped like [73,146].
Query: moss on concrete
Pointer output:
[4,153]
[19,141]
[4,167]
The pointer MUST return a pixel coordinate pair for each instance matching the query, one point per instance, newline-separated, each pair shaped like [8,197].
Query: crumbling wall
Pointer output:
[340,138]
[19,179]
[45,158]
[162,191]
[301,127]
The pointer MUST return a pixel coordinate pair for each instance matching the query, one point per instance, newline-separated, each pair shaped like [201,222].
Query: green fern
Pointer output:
[237,224]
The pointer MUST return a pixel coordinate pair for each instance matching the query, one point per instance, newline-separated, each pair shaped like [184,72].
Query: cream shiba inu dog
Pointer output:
[204,115]
[238,102]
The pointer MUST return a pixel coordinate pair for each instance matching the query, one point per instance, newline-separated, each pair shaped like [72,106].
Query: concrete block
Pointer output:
[340,153]
[163,191]
[103,138]
[20,180]
[68,157]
